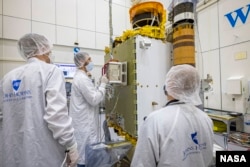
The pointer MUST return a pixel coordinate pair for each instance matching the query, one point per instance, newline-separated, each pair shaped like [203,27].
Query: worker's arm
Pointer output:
[56,110]
[91,94]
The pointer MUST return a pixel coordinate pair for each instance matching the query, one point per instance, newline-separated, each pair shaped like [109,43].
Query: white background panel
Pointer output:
[8,66]
[230,67]
[10,51]
[165,3]
[14,28]
[1,6]
[127,19]
[1,49]
[1,57]
[102,17]
[66,36]
[1,26]
[211,66]
[128,3]
[48,30]
[17,8]
[1,69]
[44,11]
[102,40]
[66,13]
[86,39]
[63,54]
[208,28]
[198,54]
[97,58]
[86,15]
[231,35]
[118,2]
[119,14]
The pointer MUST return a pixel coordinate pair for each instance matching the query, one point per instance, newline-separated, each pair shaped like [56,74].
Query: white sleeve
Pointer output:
[92,95]
[56,111]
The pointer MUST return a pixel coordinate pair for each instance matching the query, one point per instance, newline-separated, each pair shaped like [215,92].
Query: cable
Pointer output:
[64,161]
[115,103]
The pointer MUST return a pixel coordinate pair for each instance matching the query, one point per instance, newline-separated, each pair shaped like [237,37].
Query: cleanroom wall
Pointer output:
[64,22]
[224,39]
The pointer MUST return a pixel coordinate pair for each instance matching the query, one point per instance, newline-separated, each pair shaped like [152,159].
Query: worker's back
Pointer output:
[27,140]
[180,135]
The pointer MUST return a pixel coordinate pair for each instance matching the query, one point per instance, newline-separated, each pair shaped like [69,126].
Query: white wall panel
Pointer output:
[66,55]
[102,40]
[232,67]
[118,15]
[86,39]
[102,17]
[17,8]
[7,66]
[66,36]
[66,13]
[118,2]
[1,69]
[1,26]
[63,54]
[1,59]
[208,28]
[211,66]
[98,60]
[63,22]
[127,19]
[240,32]
[165,3]
[1,6]
[48,30]
[44,11]
[86,15]
[128,3]
[10,51]
[14,28]
[1,49]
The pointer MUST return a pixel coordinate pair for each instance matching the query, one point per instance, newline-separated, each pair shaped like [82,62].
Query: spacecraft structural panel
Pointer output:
[152,65]
[148,61]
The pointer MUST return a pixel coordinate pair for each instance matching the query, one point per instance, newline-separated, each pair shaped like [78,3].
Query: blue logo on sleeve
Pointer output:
[16,84]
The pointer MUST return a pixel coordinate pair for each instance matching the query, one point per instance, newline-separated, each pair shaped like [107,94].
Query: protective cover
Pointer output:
[106,154]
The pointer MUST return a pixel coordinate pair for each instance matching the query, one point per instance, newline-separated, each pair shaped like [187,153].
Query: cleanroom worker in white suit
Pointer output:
[36,127]
[179,134]
[84,101]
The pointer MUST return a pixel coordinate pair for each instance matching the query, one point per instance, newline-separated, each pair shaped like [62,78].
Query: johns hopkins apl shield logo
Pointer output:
[194,137]
[16,84]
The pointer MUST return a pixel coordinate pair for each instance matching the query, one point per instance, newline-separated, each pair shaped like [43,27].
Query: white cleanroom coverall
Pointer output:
[179,135]
[36,126]
[84,101]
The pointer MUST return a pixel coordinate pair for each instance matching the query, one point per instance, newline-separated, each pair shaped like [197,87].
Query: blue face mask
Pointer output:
[90,66]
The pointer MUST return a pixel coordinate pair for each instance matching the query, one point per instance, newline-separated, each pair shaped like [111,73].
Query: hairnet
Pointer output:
[33,44]
[80,58]
[183,83]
